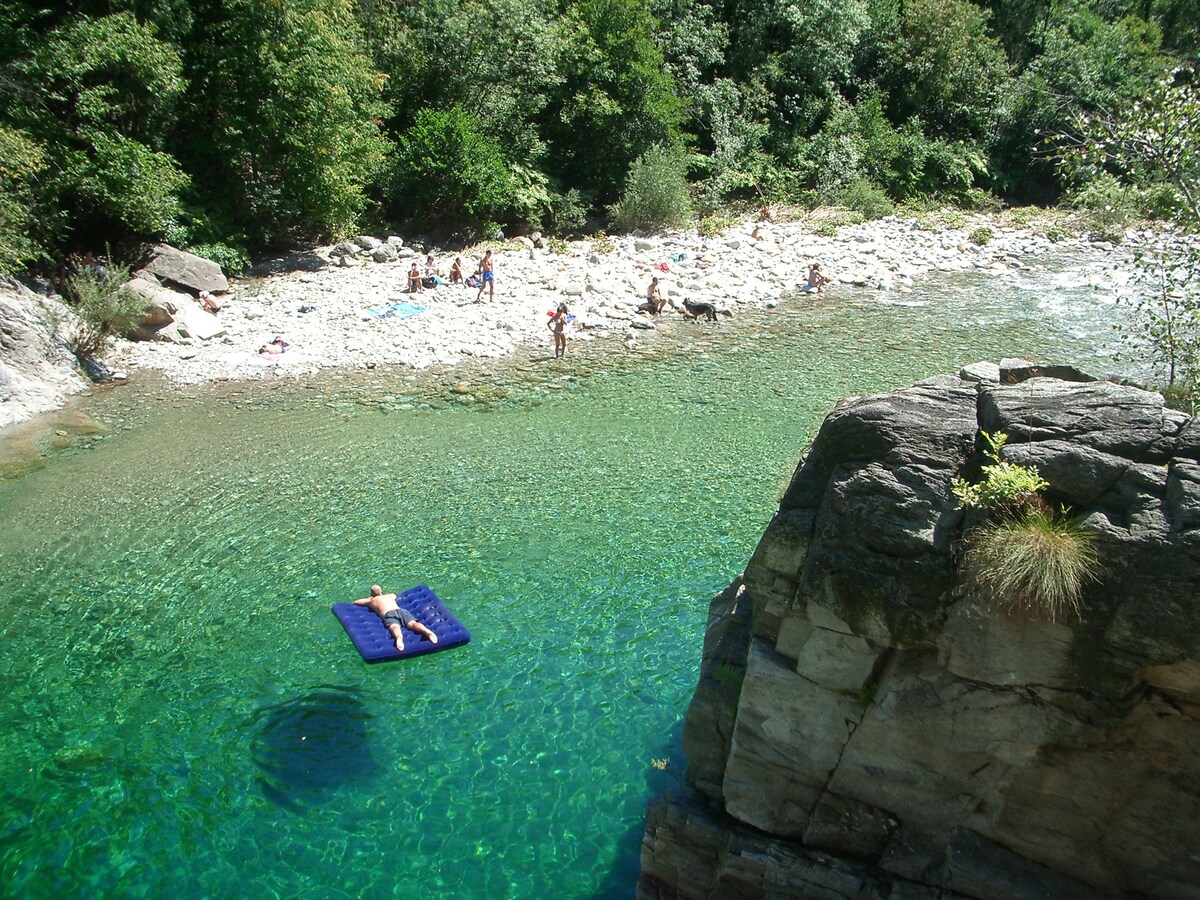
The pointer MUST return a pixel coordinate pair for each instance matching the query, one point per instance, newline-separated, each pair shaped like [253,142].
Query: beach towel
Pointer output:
[404,310]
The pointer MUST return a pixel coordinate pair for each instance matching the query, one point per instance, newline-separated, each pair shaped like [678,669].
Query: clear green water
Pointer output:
[182,715]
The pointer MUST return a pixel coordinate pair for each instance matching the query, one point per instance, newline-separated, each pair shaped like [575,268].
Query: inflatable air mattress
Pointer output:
[374,641]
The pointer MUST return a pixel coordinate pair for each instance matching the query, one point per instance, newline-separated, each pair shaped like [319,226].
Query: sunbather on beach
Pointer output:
[654,298]
[456,272]
[276,346]
[395,619]
[414,279]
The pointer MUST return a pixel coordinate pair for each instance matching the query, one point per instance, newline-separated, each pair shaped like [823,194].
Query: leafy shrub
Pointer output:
[1034,565]
[656,192]
[981,235]
[711,226]
[1110,206]
[867,198]
[827,229]
[1005,487]
[104,306]
[232,260]
[602,244]
[448,172]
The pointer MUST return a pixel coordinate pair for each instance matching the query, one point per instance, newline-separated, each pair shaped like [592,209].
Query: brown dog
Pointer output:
[696,310]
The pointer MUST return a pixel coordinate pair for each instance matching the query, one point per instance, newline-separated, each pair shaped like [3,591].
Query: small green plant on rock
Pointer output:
[602,243]
[1026,558]
[1005,485]
[981,236]
[711,226]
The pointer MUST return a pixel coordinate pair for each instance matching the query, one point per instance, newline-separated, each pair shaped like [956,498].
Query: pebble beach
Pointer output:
[355,312]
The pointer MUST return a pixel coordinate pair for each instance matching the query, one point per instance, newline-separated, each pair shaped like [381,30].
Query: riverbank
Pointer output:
[360,315]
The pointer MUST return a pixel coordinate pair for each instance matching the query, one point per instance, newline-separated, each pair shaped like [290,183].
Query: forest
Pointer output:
[231,127]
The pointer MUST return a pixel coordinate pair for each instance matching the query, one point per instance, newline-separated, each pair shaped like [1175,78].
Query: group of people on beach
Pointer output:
[483,277]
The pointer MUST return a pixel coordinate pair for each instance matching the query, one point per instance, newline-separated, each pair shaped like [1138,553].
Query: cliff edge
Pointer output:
[866,727]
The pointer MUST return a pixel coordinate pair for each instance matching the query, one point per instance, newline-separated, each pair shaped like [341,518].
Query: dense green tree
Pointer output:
[802,54]
[284,118]
[21,162]
[449,172]
[944,65]
[615,101]
[1088,65]
[97,96]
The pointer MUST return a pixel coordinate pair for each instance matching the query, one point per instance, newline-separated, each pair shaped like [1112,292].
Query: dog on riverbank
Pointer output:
[694,311]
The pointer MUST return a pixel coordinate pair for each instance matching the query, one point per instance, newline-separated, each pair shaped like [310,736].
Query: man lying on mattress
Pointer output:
[395,619]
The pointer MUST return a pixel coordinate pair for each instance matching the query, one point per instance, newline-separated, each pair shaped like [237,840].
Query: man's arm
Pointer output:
[363,601]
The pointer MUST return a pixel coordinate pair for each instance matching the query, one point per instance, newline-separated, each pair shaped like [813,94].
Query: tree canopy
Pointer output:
[234,125]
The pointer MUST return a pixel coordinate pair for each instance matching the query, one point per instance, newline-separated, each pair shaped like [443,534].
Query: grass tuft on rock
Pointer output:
[1033,566]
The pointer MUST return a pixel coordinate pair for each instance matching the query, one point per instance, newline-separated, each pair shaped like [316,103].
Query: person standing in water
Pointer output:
[558,325]
[488,278]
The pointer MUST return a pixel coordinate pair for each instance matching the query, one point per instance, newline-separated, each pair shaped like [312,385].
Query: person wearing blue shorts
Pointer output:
[395,619]
[489,278]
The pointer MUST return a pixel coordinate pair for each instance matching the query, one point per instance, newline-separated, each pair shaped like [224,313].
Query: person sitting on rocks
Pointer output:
[654,298]
[816,281]
[209,304]
[456,272]
[279,345]
[432,275]
[414,279]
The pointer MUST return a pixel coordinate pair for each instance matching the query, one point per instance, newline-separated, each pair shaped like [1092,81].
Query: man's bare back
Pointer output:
[395,618]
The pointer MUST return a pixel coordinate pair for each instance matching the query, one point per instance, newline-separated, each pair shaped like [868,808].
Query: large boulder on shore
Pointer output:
[37,370]
[867,726]
[171,315]
[185,270]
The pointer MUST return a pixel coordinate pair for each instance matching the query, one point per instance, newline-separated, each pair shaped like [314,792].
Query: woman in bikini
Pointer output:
[558,325]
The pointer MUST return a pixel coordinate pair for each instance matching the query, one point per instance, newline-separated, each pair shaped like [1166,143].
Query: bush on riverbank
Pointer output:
[656,192]
[104,306]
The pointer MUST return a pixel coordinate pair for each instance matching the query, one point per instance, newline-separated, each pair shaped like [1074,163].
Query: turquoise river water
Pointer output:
[181,715]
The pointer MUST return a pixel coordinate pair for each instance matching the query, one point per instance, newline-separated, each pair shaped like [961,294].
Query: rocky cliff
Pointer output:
[37,371]
[866,727]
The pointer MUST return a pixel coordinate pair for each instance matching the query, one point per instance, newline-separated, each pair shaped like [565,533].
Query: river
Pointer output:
[182,715]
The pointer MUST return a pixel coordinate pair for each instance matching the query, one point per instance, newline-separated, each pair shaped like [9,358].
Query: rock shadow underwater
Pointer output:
[310,746]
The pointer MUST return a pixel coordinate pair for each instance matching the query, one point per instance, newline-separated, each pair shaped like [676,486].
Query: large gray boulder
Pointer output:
[866,726]
[183,269]
[171,315]
[37,371]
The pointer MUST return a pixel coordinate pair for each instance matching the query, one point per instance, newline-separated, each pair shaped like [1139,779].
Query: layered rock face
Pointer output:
[37,372]
[865,726]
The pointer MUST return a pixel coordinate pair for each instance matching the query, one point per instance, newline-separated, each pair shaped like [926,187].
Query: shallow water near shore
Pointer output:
[183,715]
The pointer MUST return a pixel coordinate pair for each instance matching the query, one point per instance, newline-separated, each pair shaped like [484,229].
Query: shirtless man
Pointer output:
[654,298]
[489,277]
[394,618]
[816,281]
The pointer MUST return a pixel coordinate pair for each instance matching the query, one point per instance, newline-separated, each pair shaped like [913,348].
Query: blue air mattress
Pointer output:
[374,641]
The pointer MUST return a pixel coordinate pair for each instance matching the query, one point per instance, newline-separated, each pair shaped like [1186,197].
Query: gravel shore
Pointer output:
[349,319]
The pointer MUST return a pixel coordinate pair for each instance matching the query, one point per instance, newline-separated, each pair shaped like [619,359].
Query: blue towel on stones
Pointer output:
[404,310]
